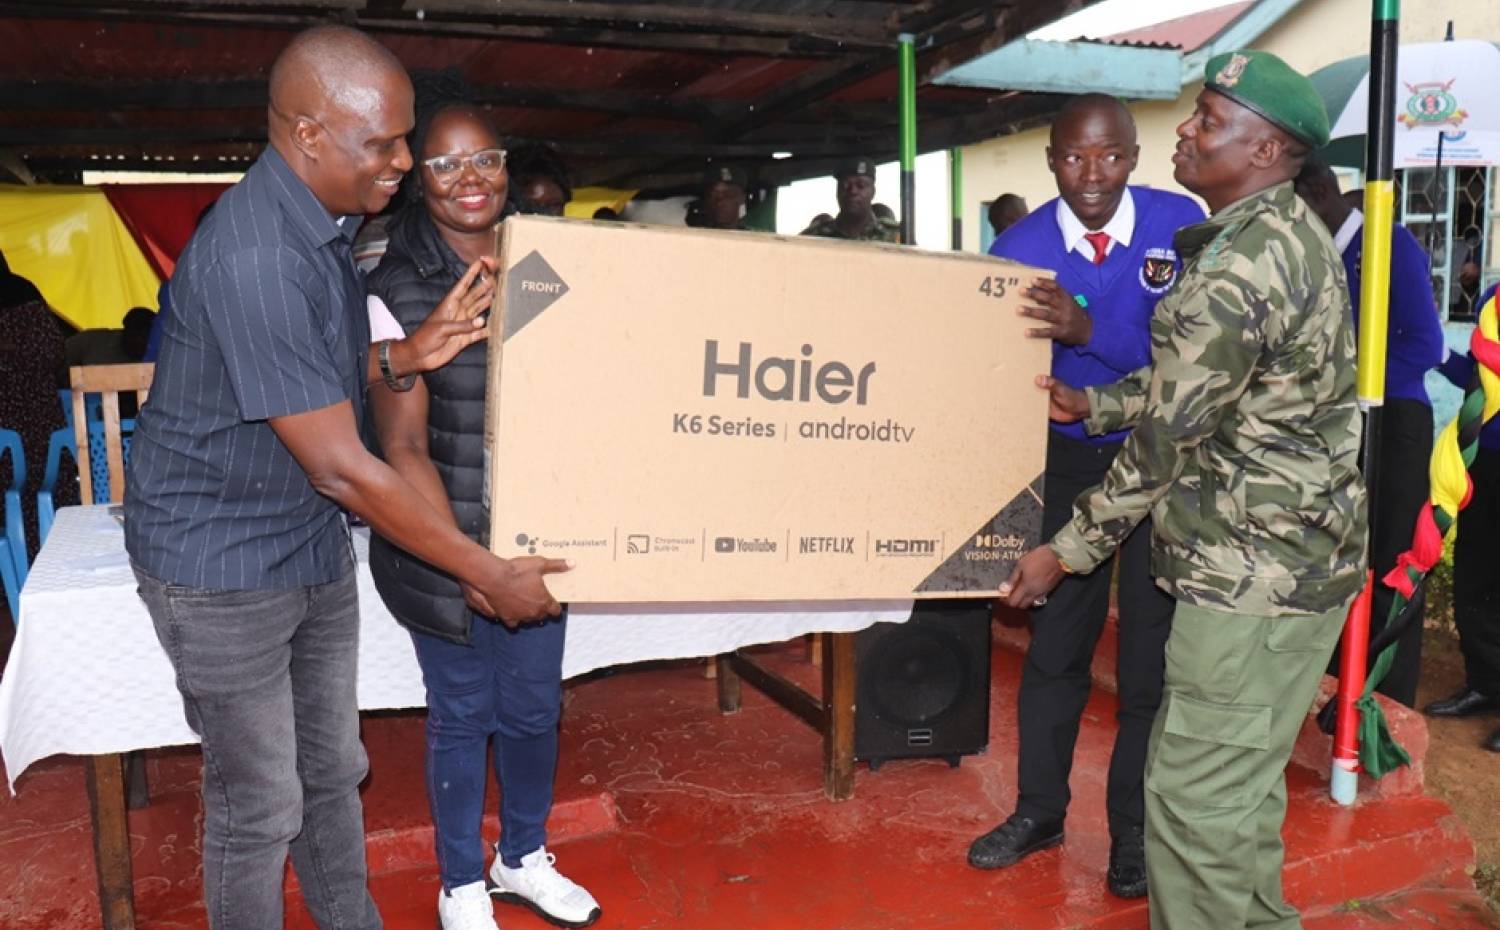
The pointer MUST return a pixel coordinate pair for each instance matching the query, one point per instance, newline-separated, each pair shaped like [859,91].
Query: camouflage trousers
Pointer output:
[1237,691]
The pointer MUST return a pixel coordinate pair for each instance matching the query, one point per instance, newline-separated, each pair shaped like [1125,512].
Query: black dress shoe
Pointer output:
[1465,703]
[1127,864]
[1013,841]
[1493,743]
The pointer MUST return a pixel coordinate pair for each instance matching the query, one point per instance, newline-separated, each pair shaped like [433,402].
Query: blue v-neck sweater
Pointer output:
[1120,294]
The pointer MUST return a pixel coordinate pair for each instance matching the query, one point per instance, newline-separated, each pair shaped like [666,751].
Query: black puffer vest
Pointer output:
[417,271]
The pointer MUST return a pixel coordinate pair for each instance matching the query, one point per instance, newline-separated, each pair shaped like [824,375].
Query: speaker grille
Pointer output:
[919,677]
[924,685]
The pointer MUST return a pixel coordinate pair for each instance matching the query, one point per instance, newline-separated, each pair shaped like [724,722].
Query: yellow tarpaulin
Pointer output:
[70,243]
[586,200]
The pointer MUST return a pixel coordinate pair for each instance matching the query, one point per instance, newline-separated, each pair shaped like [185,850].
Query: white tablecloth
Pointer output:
[86,674]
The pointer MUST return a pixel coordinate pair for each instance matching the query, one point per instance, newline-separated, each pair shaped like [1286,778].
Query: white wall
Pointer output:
[797,203]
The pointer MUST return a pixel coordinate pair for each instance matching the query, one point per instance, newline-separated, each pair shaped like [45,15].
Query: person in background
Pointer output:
[1476,581]
[539,180]
[856,218]
[244,460]
[486,681]
[1111,245]
[1246,455]
[1005,211]
[722,202]
[122,346]
[1414,347]
[31,354]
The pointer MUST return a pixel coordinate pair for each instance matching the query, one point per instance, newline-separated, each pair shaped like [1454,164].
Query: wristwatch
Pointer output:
[383,353]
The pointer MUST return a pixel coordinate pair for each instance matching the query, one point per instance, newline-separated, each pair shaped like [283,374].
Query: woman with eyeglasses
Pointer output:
[485,680]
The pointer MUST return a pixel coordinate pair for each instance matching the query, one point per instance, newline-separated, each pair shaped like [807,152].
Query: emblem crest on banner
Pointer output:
[1432,103]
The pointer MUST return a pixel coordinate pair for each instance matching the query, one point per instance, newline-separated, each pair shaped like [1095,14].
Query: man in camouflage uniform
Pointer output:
[857,218]
[1245,455]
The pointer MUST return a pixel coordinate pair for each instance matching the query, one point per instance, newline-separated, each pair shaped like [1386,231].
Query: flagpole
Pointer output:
[908,122]
[1374,308]
[1432,189]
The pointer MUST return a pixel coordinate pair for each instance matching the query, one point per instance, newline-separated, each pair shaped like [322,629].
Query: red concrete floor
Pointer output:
[678,817]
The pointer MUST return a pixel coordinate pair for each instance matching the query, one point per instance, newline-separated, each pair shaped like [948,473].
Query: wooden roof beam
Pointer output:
[83,96]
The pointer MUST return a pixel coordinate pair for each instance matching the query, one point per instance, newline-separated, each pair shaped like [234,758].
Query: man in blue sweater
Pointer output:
[1110,245]
[1476,552]
[1414,347]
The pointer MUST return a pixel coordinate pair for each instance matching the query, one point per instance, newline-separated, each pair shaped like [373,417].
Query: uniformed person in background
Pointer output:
[857,218]
[722,202]
[1245,454]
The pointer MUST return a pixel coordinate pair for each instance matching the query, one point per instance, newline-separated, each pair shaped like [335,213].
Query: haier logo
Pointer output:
[905,547]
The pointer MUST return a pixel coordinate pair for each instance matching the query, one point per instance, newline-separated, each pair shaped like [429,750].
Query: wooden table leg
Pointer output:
[729,684]
[105,778]
[137,788]
[838,703]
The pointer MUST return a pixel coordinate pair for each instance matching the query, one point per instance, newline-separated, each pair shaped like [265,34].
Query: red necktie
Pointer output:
[1100,242]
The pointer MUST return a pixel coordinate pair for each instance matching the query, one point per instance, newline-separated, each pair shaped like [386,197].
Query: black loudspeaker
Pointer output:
[924,685]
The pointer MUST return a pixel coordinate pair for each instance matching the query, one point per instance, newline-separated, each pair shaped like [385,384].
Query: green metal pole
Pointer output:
[1374,315]
[908,138]
[956,190]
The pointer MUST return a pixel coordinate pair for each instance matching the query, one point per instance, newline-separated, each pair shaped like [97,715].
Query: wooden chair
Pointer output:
[107,381]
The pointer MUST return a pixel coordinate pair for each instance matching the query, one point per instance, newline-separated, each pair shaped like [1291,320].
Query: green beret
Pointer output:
[852,166]
[723,174]
[1268,86]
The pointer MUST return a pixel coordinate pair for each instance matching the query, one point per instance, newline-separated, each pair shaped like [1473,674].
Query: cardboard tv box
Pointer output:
[695,415]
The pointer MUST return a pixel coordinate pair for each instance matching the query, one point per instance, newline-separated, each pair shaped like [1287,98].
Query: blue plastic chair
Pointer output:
[13,547]
[100,387]
[62,441]
[98,461]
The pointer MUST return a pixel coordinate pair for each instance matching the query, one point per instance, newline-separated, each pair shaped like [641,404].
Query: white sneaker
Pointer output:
[538,885]
[466,907]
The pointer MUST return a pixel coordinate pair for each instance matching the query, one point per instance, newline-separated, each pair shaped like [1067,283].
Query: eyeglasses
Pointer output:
[448,168]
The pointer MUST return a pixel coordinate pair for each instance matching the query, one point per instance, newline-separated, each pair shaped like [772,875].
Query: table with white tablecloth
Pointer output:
[86,675]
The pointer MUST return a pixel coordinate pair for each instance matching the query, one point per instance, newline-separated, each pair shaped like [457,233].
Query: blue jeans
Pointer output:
[507,684]
[267,682]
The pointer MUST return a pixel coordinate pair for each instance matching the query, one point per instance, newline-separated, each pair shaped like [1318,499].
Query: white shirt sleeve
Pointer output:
[383,324]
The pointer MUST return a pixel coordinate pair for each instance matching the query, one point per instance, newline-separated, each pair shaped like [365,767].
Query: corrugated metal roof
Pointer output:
[1188,33]
[681,80]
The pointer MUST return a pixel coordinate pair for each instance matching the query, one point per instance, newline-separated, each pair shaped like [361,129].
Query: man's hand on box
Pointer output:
[1065,404]
[453,326]
[1033,578]
[518,592]
[1067,322]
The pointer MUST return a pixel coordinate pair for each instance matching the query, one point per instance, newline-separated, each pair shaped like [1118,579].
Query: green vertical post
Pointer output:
[956,194]
[908,104]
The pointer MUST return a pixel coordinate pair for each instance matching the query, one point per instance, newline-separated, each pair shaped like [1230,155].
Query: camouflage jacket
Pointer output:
[879,231]
[1247,430]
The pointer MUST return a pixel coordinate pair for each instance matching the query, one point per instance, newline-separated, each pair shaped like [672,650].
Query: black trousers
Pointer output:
[1405,453]
[1476,576]
[1055,681]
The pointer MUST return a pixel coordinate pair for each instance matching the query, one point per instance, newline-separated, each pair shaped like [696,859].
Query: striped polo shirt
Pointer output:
[268,320]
